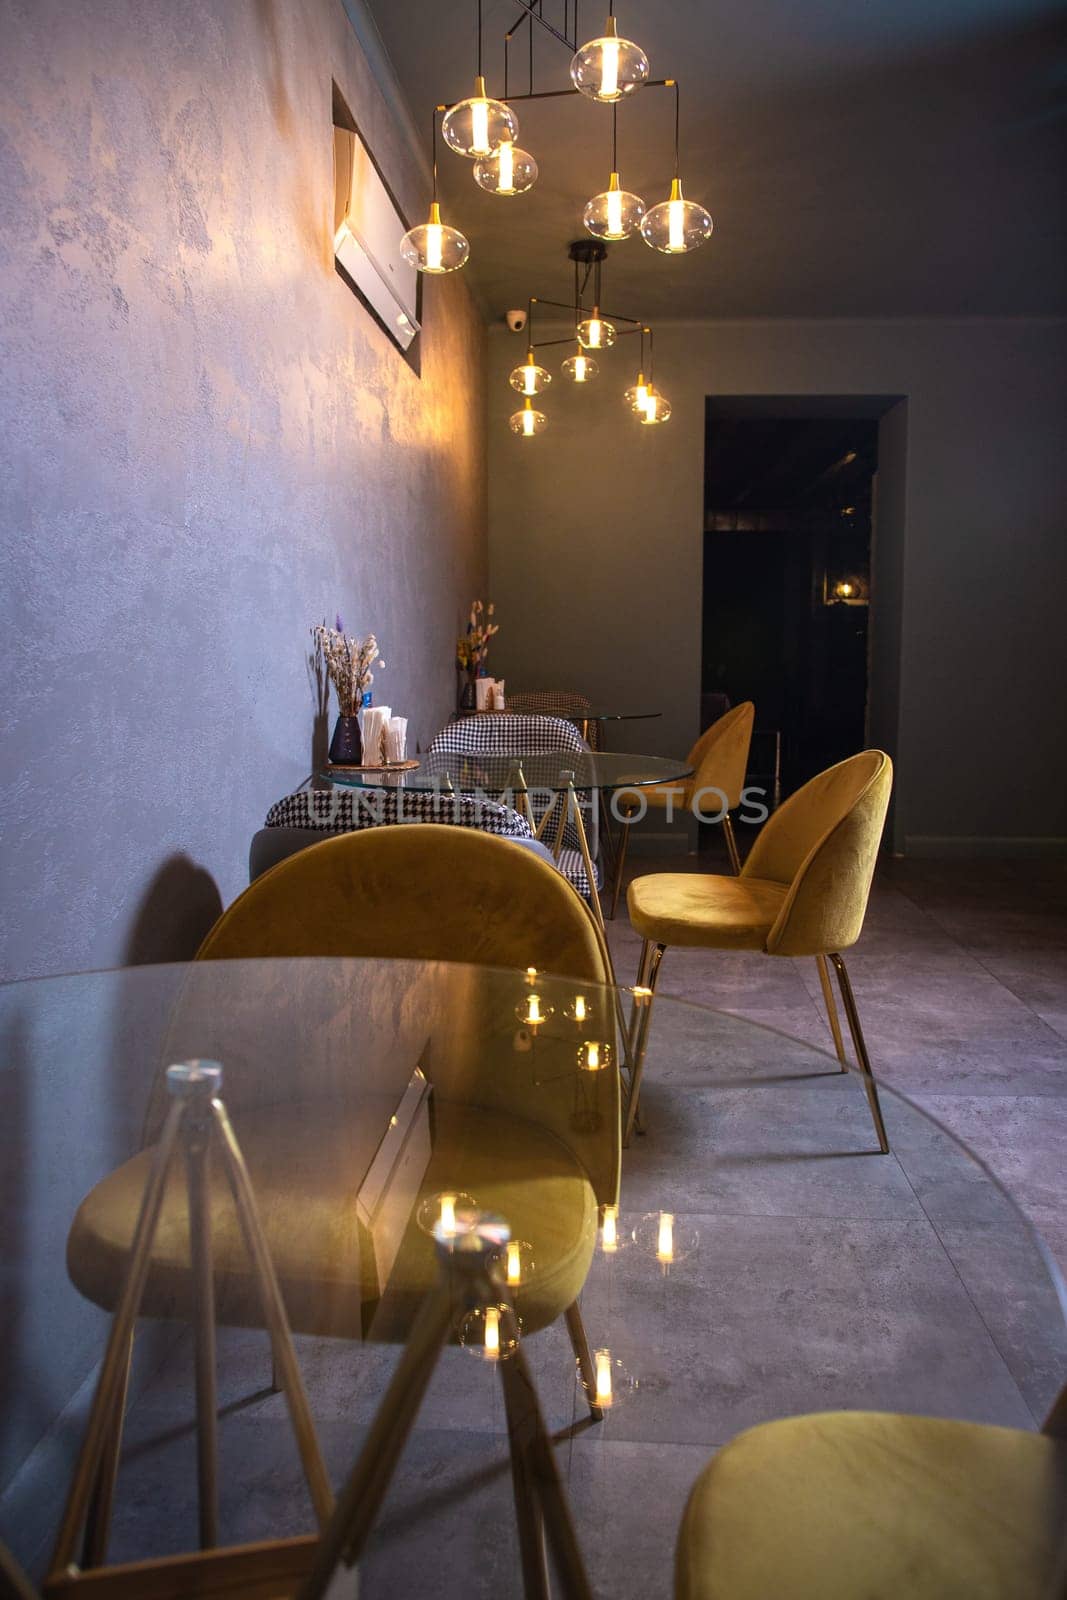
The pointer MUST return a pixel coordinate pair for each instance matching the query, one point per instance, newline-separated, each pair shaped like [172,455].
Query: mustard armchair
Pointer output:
[719,760]
[850,1503]
[424,893]
[802,892]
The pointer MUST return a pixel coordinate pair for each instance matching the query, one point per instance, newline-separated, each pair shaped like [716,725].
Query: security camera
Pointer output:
[516,320]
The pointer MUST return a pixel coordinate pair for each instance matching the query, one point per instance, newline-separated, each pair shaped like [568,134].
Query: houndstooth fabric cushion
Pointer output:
[349,810]
[556,703]
[503,734]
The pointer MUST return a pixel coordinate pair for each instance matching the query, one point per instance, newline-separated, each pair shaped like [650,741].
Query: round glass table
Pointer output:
[760,1260]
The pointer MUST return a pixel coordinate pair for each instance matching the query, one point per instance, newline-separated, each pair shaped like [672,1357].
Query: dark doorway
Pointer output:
[787,554]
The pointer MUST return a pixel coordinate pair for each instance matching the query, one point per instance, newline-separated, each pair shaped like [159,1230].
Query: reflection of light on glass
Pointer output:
[593,1056]
[531,974]
[492,1333]
[448,1215]
[665,1241]
[533,1009]
[671,1239]
[609,1235]
[579,1008]
[514,1263]
[604,1396]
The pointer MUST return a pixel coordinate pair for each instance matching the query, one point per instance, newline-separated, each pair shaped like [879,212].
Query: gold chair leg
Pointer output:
[583,1356]
[620,862]
[98,1519]
[831,1011]
[731,843]
[861,1050]
[651,956]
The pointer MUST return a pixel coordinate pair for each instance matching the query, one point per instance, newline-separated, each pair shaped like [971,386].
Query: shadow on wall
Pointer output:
[177,909]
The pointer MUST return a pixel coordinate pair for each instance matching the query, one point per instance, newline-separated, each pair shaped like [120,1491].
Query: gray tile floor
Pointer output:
[825,1275]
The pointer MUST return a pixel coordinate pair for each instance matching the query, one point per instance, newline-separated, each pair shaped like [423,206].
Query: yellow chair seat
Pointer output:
[303,1164]
[849,1504]
[688,908]
[658,794]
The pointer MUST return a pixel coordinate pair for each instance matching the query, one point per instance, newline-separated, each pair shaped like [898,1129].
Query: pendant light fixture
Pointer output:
[637,394]
[616,212]
[528,422]
[508,170]
[676,225]
[478,126]
[593,332]
[609,67]
[579,368]
[529,378]
[433,246]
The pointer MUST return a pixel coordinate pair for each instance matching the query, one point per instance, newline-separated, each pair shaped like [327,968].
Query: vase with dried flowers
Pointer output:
[472,650]
[348,662]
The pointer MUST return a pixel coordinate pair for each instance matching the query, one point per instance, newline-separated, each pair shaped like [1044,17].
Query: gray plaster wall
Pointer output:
[596,548]
[207,445]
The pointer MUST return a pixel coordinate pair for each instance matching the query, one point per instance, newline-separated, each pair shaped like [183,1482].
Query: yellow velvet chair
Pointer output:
[719,760]
[424,894]
[802,892]
[849,1503]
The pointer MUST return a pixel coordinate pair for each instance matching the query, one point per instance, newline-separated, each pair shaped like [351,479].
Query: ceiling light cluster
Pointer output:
[608,70]
[594,331]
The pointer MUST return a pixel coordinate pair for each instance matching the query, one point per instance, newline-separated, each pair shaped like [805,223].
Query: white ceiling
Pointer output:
[860,157]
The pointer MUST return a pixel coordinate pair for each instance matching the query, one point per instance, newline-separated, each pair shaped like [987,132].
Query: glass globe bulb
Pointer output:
[676,225]
[530,378]
[594,333]
[527,422]
[637,394]
[657,408]
[476,127]
[609,68]
[508,170]
[615,213]
[433,246]
[579,368]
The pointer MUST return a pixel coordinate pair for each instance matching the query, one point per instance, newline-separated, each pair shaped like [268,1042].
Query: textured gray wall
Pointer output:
[596,547]
[208,445]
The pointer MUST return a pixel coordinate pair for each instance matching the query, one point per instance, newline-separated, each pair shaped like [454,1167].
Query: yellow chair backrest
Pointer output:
[419,892]
[719,758]
[823,842]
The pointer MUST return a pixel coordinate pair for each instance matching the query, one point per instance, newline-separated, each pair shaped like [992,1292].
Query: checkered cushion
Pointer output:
[505,734]
[502,734]
[349,810]
[558,703]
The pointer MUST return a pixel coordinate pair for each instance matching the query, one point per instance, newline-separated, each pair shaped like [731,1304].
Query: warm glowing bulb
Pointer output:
[580,365]
[480,127]
[676,225]
[492,1333]
[604,1396]
[533,1009]
[506,156]
[514,1263]
[592,1056]
[609,69]
[531,974]
[434,240]
[609,1238]
[595,328]
[648,402]
[579,1008]
[614,211]
[529,379]
[528,424]
[448,1215]
[665,1238]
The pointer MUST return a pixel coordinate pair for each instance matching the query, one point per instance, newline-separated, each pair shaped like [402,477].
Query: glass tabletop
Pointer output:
[763,1259]
[490,776]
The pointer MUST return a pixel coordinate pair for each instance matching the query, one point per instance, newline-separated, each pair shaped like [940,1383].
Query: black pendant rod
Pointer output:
[611,316]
